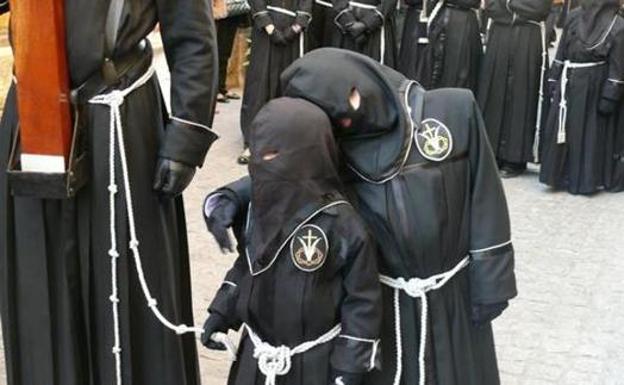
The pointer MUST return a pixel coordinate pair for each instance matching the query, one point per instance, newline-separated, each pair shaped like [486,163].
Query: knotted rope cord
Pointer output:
[416,288]
[563,103]
[114,100]
[540,103]
[274,361]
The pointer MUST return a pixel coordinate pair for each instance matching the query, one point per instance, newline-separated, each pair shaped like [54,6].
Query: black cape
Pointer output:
[426,215]
[267,60]
[588,159]
[55,273]
[452,56]
[283,297]
[510,77]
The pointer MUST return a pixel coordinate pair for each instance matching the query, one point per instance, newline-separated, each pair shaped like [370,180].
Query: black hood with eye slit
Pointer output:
[302,177]
[376,145]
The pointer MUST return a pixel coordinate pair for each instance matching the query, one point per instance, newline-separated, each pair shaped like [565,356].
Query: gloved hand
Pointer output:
[277,38]
[483,314]
[220,219]
[214,324]
[291,33]
[343,378]
[172,177]
[607,106]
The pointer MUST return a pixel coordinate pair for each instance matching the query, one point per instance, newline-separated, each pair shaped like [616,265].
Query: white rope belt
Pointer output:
[114,100]
[417,288]
[277,361]
[540,103]
[563,103]
[290,13]
[428,19]
[382,43]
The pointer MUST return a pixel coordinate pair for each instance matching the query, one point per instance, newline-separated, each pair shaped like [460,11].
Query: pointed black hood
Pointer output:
[377,144]
[596,18]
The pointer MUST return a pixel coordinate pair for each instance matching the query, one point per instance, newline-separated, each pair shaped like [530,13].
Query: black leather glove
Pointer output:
[214,324]
[221,219]
[290,34]
[607,106]
[277,38]
[483,314]
[343,378]
[172,177]
[373,21]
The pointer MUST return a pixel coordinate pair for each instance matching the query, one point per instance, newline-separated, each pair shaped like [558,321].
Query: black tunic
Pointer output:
[55,273]
[509,83]
[584,162]
[287,306]
[267,60]
[452,56]
[368,11]
[426,215]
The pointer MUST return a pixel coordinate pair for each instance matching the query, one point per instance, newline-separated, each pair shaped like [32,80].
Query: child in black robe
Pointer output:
[305,287]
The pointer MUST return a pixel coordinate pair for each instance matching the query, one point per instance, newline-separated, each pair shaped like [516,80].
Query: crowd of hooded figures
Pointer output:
[563,113]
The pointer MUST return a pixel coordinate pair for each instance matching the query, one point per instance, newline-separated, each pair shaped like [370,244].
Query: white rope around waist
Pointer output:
[274,361]
[416,288]
[290,13]
[382,43]
[563,102]
[114,100]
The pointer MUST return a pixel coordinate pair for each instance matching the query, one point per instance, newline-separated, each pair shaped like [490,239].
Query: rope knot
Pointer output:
[115,98]
[417,287]
[273,361]
[113,253]
[113,189]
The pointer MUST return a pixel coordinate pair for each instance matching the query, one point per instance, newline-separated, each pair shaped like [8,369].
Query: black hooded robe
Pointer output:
[510,77]
[427,215]
[448,52]
[281,295]
[379,17]
[584,160]
[55,271]
[267,60]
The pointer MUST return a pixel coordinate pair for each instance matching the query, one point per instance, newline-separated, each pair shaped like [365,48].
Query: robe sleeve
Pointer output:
[356,349]
[613,88]
[260,14]
[225,301]
[304,13]
[374,20]
[492,277]
[189,40]
[536,10]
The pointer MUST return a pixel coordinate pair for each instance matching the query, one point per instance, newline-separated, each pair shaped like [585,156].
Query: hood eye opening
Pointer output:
[270,155]
[355,99]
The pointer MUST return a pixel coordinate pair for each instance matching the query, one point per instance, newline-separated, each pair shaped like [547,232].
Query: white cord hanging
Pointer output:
[114,100]
[416,288]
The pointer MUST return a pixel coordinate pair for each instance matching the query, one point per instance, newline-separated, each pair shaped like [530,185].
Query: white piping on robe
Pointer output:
[382,44]
[417,288]
[114,100]
[274,361]
[563,103]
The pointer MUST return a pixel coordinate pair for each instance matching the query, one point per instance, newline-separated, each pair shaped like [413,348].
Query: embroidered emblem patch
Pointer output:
[434,140]
[308,248]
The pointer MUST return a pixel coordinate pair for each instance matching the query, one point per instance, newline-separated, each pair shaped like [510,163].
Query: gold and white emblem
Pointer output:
[434,140]
[308,248]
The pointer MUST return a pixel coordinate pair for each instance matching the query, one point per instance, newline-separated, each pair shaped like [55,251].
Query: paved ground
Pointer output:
[564,328]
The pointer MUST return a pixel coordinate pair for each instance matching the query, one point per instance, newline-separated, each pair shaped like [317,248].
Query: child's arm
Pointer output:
[356,349]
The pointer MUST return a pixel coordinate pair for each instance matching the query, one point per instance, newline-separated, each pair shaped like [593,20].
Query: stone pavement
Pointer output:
[566,326]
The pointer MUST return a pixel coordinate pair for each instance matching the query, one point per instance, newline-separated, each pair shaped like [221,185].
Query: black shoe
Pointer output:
[508,172]
[232,95]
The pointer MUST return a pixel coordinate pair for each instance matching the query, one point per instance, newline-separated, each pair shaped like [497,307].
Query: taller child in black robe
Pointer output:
[307,263]
[444,48]
[55,268]
[511,79]
[367,27]
[588,82]
[276,41]
[425,180]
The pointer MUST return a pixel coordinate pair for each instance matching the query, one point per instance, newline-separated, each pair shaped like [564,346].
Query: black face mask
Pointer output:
[293,165]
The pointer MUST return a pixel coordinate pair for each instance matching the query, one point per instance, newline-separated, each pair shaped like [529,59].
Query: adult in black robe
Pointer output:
[588,81]
[277,39]
[443,49]
[55,268]
[512,76]
[424,178]
[367,27]
[307,263]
